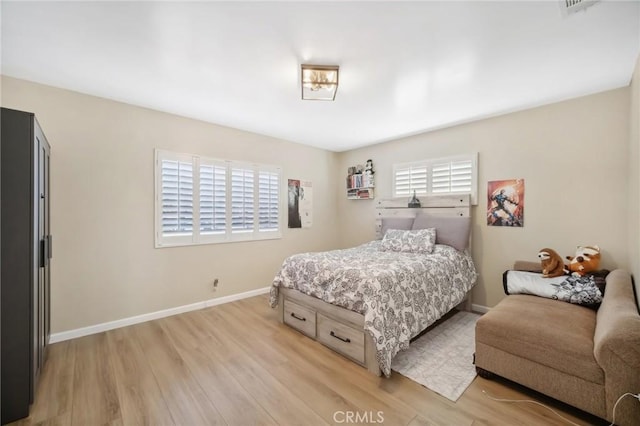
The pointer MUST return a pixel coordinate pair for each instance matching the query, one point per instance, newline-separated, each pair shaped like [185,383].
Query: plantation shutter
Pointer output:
[176,197]
[242,199]
[441,178]
[268,209]
[203,200]
[461,176]
[410,178]
[213,198]
[437,176]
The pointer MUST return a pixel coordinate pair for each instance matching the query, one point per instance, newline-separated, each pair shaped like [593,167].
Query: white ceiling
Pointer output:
[405,67]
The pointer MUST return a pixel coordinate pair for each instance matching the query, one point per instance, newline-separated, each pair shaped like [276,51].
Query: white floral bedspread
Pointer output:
[399,294]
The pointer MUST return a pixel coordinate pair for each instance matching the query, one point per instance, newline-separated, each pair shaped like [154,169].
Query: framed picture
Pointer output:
[300,201]
[294,219]
[505,203]
[306,203]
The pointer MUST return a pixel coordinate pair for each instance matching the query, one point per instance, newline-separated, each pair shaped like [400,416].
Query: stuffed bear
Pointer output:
[587,259]
[552,264]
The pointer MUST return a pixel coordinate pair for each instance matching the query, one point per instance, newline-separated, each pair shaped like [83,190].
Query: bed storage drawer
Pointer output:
[300,317]
[341,338]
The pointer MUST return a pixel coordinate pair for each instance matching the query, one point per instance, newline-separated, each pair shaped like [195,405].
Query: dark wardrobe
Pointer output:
[26,253]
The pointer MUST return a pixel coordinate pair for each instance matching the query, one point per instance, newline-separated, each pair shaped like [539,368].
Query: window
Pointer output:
[451,175]
[203,200]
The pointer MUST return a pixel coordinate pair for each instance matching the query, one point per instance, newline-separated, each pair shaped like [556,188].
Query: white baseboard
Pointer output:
[479,308]
[98,328]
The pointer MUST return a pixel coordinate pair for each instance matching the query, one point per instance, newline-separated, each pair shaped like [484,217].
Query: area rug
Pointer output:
[442,358]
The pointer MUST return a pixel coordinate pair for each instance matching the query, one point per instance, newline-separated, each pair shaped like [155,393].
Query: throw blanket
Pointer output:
[399,294]
[577,290]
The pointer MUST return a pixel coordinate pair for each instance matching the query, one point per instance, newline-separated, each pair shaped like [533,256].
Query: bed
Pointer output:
[368,302]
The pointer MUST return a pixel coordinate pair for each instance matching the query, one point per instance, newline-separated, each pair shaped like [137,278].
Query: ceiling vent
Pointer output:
[572,6]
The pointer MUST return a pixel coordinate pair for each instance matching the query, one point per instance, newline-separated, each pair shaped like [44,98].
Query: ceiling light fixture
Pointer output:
[319,82]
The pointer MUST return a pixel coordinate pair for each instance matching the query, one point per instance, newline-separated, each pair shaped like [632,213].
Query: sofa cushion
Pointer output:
[558,335]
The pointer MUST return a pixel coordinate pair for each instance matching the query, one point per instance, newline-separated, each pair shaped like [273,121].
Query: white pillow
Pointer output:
[414,241]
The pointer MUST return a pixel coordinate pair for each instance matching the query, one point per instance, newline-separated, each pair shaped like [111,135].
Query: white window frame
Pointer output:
[429,163]
[228,236]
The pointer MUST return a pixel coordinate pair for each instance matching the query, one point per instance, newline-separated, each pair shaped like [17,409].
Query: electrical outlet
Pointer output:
[215,284]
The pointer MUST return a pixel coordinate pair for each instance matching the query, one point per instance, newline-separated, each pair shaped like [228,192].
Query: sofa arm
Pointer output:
[617,347]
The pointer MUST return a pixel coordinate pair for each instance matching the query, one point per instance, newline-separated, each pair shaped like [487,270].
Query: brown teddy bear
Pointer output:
[587,259]
[552,264]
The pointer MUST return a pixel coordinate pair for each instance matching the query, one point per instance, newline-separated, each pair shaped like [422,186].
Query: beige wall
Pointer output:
[105,266]
[634,179]
[573,157]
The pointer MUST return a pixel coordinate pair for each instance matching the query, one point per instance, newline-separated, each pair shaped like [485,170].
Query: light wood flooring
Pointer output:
[236,364]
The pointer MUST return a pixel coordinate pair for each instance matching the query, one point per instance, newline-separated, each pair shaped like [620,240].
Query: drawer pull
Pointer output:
[347,340]
[297,317]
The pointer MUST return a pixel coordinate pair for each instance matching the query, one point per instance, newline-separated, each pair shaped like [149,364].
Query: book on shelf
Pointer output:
[359,181]
[360,193]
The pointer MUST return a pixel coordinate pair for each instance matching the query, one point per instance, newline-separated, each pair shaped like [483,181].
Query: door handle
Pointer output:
[43,253]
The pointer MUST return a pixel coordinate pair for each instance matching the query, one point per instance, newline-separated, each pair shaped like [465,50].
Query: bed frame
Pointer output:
[341,329]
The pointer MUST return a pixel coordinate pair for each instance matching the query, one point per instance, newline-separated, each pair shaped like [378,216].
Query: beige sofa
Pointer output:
[580,356]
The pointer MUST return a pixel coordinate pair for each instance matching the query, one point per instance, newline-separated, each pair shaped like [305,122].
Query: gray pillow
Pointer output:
[450,230]
[402,223]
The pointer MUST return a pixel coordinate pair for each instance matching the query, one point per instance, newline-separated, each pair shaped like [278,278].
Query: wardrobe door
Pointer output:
[41,304]
[49,244]
[25,252]
[19,262]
